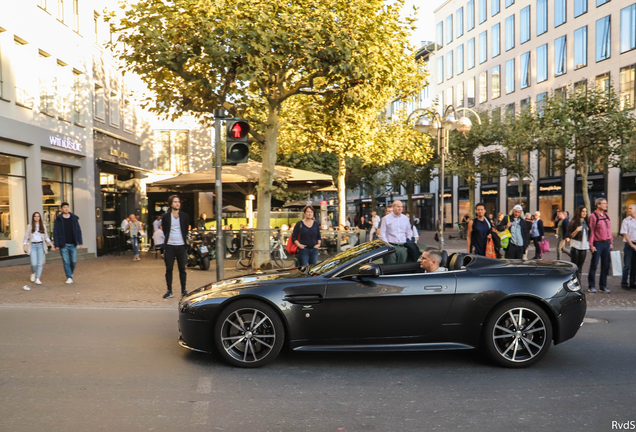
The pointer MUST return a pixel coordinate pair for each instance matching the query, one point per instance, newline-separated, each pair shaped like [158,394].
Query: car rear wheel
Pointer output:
[249,334]
[517,334]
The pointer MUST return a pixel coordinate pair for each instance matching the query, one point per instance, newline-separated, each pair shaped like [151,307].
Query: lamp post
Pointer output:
[434,123]
[516,177]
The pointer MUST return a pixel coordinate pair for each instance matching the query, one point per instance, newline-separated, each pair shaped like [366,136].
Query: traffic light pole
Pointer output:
[219,115]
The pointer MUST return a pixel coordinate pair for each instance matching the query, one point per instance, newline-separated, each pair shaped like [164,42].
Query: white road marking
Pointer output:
[205,385]
[200,413]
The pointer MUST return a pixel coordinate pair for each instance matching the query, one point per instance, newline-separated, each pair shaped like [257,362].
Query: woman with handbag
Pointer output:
[36,245]
[537,234]
[306,236]
[478,232]
[134,230]
[578,235]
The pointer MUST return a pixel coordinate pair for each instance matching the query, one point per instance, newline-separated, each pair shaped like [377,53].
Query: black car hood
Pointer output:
[239,283]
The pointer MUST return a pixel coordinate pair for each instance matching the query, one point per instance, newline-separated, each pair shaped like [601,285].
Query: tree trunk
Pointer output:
[584,168]
[265,187]
[410,189]
[374,202]
[471,197]
[342,191]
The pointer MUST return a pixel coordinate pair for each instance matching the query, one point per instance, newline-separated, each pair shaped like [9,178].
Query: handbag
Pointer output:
[505,236]
[291,246]
[490,249]
[544,245]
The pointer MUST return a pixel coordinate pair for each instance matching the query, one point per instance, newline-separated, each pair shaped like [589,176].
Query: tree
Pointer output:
[368,177]
[253,57]
[586,128]
[408,174]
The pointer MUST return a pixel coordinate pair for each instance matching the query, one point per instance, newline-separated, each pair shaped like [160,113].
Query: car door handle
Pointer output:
[435,287]
[305,299]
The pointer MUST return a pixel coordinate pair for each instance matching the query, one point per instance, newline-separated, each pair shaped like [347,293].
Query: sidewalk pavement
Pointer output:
[118,281]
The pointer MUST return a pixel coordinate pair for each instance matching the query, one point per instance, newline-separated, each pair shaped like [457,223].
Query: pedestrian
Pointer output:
[67,238]
[134,231]
[578,234]
[601,242]
[201,222]
[175,225]
[562,225]
[412,249]
[156,225]
[478,232]
[306,236]
[628,230]
[124,224]
[375,222]
[520,233]
[395,229]
[36,245]
[159,238]
[348,222]
[538,234]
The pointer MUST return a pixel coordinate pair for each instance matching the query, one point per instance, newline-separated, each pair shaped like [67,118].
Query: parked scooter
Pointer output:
[198,253]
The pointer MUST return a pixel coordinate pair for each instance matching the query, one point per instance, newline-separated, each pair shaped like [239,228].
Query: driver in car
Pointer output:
[430,261]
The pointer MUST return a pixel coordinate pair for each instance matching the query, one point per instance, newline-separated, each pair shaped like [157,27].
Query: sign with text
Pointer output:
[65,143]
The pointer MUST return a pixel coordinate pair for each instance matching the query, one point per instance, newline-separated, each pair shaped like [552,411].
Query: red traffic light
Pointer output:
[238,130]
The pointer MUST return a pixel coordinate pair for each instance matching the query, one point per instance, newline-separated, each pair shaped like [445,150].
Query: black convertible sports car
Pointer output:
[513,310]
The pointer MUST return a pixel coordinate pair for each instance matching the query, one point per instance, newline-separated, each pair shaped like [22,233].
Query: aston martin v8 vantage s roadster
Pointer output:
[511,309]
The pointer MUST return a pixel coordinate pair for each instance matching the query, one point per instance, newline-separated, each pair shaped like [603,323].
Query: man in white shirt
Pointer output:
[430,261]
[375,224]
[628,231]
[395,229]
[175,225]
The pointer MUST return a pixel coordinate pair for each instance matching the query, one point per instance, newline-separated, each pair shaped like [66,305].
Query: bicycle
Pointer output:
[278,255]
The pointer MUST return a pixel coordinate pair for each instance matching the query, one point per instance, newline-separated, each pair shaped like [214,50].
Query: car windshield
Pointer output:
[345,257]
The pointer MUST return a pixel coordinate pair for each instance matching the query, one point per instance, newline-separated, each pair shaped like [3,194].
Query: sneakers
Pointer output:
[592,290]
[184,293]
[136,258]
[69,280]
[168,295]
[605,290]
[37,281]
[32,277]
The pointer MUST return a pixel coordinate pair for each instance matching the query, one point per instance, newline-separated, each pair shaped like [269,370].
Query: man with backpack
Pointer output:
[601,242]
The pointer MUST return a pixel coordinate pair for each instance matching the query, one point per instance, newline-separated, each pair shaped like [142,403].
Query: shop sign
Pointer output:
[366,200]
[552,188]
[447,195]
[65,143]
[424,196]
[489,192]
[118,153]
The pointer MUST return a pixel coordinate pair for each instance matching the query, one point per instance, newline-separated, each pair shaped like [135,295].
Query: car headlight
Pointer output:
[573,284]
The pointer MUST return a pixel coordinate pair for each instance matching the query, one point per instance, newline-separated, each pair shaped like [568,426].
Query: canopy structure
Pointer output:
[231,209]
[301,204]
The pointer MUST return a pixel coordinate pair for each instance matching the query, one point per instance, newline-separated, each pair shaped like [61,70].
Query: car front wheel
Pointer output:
[249,334]
[518,334]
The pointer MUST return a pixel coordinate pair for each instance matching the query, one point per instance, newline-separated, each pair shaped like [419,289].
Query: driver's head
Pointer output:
[430,259]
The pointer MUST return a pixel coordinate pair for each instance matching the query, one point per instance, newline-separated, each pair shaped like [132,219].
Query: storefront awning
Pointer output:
[123,166]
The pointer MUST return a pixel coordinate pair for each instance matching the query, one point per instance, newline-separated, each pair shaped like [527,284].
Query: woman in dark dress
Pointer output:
[478,232]
[579,234]
[306,236]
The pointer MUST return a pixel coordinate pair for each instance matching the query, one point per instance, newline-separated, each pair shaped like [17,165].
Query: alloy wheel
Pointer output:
[248,335]
[519,334]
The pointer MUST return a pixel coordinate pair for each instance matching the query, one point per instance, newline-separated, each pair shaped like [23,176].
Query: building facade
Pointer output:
[502,56]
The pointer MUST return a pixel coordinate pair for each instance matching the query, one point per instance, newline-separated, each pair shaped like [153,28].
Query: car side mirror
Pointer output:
[370,270]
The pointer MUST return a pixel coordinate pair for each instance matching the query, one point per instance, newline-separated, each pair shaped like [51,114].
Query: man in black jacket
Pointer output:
[175,225]
[67,238]
[520,230]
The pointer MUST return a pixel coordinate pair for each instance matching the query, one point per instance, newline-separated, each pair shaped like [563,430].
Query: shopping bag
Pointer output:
[291,246]
[544,245]
[490,249]
[617,263]
[505,236]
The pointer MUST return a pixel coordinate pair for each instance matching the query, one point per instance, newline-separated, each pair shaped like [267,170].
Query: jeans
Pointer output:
[602,252]
[37,258]
[69,257]
[577,257]
[307,256]
[560,246]
[135,245]
[537,247]
[180,253]
[629,266]
[514,252]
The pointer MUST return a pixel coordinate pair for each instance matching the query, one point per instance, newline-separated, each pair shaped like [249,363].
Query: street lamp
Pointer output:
[516,177]
[436,124]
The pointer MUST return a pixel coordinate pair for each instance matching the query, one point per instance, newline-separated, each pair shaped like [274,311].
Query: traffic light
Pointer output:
[237,146]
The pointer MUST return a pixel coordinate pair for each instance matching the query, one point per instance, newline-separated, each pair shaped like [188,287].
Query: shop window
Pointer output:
[603,39]
[628,28]
[459,21]
[13,211]
[57,187]
[628,193]
[470,61]
[550,200]
[626,86]
[596,189]
[496,82]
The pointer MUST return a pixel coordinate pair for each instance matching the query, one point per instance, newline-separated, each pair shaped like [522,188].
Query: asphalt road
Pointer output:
[80,369]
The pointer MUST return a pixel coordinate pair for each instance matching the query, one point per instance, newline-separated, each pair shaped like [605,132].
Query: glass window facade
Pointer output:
[470,60]
[510,3]
[449,29]
[483,12]
[628,28]
[560,56]
[626,86]
[510,76]
[483,87]
[495,36]
[525,70]
[483,47]
[542,16]
[495,7]
[57,187]
[603,38]
[459,21]
[580,7]
[470,93]
[470,15]
[542,63]
[449,96]
[540,105]
[496,82]
[449,64]
[524,24]
[440,70]
[510,32]
[460,94]
[560,12]
[603,82]
[580,86]
[601,2]
[460,59]
[440,34]
[13,209]
[580,48]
